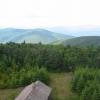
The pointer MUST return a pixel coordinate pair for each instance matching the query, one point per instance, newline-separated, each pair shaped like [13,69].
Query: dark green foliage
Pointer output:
[53,58]
[18,62]
[86,83]
[91,91]
[42,75]
[25,77]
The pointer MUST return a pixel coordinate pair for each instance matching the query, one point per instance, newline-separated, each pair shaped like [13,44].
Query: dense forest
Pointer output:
[21,64]
[54,58]
[86,84]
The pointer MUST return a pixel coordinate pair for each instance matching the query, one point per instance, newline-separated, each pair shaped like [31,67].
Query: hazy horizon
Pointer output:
[63,16]
[71,31]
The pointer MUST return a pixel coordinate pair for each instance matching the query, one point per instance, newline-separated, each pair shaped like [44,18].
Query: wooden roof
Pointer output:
[36,91]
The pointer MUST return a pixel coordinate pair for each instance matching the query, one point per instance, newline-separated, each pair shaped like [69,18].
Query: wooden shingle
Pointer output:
[36,91]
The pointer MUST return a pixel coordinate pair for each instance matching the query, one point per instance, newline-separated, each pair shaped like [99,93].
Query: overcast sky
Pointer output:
[49,13]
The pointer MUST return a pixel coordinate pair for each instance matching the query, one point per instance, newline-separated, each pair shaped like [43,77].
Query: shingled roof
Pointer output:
[35,91]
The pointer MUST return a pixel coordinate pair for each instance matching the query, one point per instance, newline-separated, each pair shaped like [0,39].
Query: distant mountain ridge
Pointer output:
[46,37]
[83,41]
[30,35]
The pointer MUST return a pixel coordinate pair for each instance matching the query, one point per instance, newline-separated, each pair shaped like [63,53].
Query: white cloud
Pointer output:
[43,13]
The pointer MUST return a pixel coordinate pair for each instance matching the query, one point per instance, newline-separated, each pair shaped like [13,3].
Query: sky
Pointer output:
[49,13]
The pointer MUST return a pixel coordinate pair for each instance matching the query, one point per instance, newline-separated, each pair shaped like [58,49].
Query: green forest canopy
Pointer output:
[19,62]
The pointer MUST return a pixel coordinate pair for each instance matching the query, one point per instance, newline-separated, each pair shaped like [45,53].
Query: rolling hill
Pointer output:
[83,41]
[30,35]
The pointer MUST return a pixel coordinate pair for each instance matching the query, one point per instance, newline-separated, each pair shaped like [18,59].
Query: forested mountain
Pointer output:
[81,41]
[30,35]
